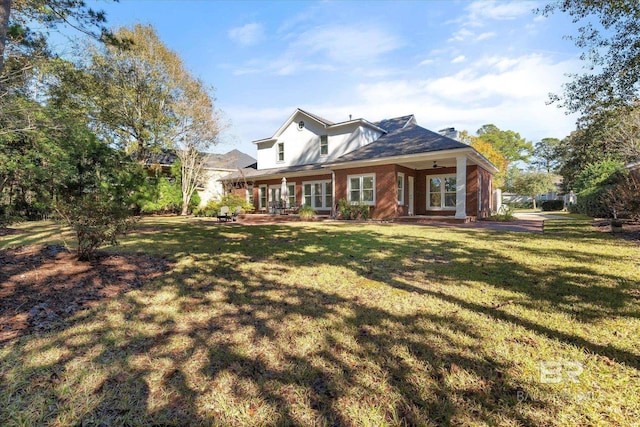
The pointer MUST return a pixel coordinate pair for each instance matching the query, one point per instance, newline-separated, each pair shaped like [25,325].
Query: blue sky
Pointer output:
[460,64]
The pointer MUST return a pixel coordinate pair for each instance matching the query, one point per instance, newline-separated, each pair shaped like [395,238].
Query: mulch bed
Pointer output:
[41,285]
[630,230]
[9,231]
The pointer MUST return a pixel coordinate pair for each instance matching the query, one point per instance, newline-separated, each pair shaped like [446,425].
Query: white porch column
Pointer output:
[461,187]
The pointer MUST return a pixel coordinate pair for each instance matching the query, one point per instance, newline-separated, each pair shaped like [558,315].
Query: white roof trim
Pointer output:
[416,158]
[315,119]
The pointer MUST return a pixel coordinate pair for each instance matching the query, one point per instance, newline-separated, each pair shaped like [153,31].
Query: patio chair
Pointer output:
[234,215]
[223,215]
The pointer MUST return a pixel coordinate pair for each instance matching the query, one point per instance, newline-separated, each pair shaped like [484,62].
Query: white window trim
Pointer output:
[442,193]
[278,144]
[320,146]
[349,177]
[401,198]
[266,199]
[313,195]
[289,183]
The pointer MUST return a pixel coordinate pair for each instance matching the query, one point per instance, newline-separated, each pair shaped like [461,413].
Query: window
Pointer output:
[317,194]
[324,145]
[250,194]
[441,192]
[280,151]
[362,189]
[263,196]
[400,188]
[328,194]
[291,199]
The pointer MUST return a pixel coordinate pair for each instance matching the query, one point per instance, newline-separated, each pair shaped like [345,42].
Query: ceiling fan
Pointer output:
[435,165]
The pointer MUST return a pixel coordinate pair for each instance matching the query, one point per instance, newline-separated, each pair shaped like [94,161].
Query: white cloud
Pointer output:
[427,61]
[485,36]
[247,35]
[481,10]
[458,59]
[510,92]
[346,44]
[460,35]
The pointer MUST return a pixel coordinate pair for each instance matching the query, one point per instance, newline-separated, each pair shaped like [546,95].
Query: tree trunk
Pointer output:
[185,207]
[534,201]
[5,9]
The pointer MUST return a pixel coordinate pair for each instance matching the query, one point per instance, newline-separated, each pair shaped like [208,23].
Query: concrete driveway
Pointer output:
[538,216]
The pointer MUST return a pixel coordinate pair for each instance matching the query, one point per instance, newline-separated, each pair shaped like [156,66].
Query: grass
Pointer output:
[343,324]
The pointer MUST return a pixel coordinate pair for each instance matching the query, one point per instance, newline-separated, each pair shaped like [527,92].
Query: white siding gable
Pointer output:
[302,146]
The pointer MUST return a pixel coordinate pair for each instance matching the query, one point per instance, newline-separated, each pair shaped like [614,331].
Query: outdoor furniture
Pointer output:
[234,215]
[293,209]
[223,215]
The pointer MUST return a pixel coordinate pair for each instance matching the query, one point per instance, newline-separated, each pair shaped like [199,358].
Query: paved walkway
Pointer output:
[532,222]
[538,216]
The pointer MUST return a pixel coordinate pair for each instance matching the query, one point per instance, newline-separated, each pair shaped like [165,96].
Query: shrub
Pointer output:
[504,214]
[96,220]
[519,205]
[552,205]
[163,196]
[591,201]
[306,212]
[347,210]
[212,208]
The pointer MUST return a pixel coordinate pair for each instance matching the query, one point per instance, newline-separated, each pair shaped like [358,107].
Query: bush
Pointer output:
[504,214]
[212,208]
[96,220]
[306,212]
[519,205]
[591,202]
[163,196]
[347,210]
[552,205]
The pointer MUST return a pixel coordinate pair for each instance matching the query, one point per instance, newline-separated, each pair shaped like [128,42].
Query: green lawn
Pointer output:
[345,324]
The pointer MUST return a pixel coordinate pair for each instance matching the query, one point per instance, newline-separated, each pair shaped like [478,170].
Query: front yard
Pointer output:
[342,324]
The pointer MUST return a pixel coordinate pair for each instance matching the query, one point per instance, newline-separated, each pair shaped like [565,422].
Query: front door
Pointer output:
[411,195]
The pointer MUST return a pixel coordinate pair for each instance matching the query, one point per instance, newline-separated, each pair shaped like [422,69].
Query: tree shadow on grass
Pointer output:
[216,343]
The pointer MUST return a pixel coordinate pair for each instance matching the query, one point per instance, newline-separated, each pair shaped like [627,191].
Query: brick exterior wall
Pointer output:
[298,180]
[386,206]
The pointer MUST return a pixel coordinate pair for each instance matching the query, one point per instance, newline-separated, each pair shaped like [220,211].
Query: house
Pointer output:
[217,166]
[394,166]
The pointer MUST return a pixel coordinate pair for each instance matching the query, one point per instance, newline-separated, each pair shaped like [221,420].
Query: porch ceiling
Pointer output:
[443,162]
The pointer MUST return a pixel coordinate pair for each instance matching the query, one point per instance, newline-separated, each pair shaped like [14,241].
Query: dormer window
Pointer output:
[324,145]
[280,151]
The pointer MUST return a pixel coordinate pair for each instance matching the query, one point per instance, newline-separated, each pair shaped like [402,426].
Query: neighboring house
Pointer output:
[217,167]
[395,166]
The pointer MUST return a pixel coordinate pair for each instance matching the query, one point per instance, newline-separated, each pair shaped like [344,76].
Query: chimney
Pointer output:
[349,117]
[449,133]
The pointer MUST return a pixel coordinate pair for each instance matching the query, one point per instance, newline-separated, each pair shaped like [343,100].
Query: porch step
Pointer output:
[435,219]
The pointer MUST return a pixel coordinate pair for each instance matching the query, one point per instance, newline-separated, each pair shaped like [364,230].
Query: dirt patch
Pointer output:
[630,230]
[10,231]
[41,285]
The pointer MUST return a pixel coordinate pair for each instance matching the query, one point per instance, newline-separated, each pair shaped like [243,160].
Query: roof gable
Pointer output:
[233,159]
[391,125]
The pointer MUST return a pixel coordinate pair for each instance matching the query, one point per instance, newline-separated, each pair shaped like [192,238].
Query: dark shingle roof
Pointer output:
[391,125]
[252,172]
[163,158]
[410,140]
[234,159]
